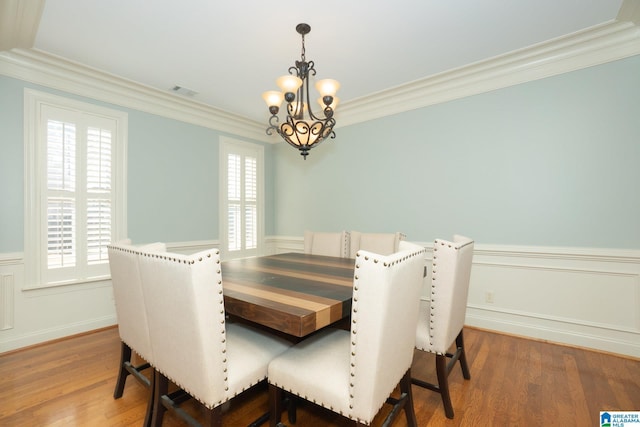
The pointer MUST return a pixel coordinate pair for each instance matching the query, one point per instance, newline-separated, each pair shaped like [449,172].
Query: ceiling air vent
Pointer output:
[183,91]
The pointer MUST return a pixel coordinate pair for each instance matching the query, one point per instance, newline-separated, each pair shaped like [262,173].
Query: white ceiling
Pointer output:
[230,51]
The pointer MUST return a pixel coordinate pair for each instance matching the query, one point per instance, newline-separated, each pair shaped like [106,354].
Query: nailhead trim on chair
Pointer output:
[434,281]
[222,331]
[131,251]
[433,289]
[354,331]
[354,311]
[346,244]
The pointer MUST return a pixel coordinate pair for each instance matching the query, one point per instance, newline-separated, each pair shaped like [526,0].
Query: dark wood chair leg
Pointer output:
[149,413]
[291,408]
[125,357]
[161,387]
[443,383]
[463,356]
[213,417]
[405,388]
[275,405]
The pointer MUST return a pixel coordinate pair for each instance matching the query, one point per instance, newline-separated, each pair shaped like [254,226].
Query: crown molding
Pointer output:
[58,73]
[19,20]
[629,11]
[596,45]
[611,41]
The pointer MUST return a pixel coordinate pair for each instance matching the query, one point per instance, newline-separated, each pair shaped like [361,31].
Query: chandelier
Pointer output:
[301,128]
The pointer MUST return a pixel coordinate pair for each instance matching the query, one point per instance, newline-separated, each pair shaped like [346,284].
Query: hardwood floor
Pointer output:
[514,382]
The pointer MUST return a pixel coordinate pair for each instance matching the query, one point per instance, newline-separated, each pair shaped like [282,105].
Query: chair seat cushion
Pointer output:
[317,369]
[249,352]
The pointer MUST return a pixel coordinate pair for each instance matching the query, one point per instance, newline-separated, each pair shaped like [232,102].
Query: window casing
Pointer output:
[75,157]
[242,198]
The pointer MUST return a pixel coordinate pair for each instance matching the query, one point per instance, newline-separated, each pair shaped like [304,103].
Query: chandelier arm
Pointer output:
[311,71]
[273,125]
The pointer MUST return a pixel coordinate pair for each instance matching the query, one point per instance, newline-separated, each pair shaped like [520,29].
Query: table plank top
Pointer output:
[293,293]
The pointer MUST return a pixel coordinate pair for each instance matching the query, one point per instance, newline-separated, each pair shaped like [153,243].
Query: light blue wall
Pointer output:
[172,174]
[554,162]
[11,166]
[173,180]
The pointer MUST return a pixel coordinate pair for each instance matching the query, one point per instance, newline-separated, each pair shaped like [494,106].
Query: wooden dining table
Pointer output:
[296,294]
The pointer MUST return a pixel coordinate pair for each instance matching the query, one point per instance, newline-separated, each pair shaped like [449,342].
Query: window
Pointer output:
[241,192]
[75,164]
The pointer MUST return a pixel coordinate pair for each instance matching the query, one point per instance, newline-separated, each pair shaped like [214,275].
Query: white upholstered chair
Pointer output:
[354,372]
[380,243]
[329,244]
[442,318]
[193,346]
[130,312]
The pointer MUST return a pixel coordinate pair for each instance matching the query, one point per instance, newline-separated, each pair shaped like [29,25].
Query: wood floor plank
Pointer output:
[514,381]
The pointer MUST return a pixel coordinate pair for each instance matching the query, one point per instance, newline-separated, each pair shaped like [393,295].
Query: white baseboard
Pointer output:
[60,331]
[607,340]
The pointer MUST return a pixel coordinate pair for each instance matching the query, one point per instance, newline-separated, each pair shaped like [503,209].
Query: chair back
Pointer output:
[185,308]
[379,243]
[449,290]
[386,296]
[127,294]
[329,244]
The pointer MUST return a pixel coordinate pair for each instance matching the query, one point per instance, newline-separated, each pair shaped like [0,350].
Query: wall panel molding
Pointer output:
[7,301]
[13,258]
[193,246]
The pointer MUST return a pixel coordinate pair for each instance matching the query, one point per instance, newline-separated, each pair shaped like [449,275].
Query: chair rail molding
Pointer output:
[587,297]
[192,246]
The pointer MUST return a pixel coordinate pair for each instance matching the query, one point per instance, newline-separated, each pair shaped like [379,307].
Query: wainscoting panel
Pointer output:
[583,297]
[603,299]
[30,317]
[6,301]
[575,296]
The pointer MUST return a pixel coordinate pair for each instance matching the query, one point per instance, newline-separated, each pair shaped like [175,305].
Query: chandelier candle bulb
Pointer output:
[327,87]
[289,84]
[274,99]
[301,128]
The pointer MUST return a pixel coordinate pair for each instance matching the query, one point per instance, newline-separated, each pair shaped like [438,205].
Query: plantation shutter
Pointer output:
[99,190]
[242,197]
[79,194]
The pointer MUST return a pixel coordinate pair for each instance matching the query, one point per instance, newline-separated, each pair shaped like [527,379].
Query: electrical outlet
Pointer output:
[488,297]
